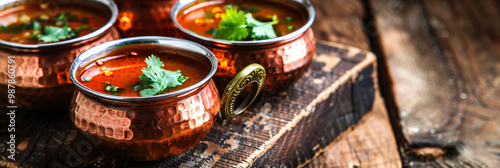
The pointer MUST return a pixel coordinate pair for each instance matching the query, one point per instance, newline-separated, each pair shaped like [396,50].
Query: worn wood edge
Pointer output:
[339,138]
[348,75]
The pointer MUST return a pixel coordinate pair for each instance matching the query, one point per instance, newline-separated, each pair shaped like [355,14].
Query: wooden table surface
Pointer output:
[439,74]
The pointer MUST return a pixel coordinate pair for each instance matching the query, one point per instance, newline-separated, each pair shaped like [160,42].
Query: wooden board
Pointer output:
[443,58]
[289,129]
[371,143]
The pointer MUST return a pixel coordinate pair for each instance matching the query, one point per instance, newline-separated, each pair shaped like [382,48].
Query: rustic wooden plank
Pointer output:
[357,147]
[340,85]
[345,22]
[443,59]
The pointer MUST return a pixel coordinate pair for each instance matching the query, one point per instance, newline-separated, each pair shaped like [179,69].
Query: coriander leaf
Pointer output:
[54,34]
[84,20]
[86,79]
[262,37]
[16,28]
[112,89]
[212,31]
[261,29]
[61,17]
[148,92]
[154,61]
[232,26]
[155,80]
[82,27]
[37,25]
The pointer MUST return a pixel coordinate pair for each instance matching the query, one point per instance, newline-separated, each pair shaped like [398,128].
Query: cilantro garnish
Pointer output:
[86,79]
[155,80]
[232,25]
[37,25]
[212,31]
[112,89]
[236,25]
[54,34]
[16,28]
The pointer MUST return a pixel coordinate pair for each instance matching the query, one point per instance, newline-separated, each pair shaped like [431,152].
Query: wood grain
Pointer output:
[340,21]
[344,21]
[443,59]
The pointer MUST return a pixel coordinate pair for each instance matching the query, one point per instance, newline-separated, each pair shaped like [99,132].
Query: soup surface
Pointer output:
[120,72]
[38,23]
[242,20]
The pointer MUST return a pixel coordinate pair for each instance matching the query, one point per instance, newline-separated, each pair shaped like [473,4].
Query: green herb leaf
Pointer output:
[261,29]
[16,28]
[155,80]
[37,25]
[54,34]
[86,79]
[212,31]
[112,89]
[65,17]
[232,26]
[84,20]
[82,27]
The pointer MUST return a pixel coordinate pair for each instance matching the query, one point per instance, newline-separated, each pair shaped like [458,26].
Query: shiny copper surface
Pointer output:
[284,58]
[145,17]
[42,80]
[284,62]
[147,131]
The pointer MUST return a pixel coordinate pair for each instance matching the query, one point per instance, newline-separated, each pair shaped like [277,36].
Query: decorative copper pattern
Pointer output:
[146,132]
[284,62]
[145,17]
[42,80]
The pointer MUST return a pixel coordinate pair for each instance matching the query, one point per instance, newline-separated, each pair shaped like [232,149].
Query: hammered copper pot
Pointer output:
[41,71]
[285,58]
[161,126]
[145,17]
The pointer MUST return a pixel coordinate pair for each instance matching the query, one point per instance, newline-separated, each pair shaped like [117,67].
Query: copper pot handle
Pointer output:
[252,73]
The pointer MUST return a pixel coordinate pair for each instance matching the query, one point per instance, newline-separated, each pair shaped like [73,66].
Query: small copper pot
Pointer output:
[285,58]
[145,18]
[41,71]
[161,126]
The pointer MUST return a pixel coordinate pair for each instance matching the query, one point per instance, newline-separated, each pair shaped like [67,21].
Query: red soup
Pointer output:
[134,72]
[245,20]
[38,23]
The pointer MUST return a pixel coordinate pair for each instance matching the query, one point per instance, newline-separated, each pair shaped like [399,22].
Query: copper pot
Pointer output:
[285,58]
[41,70]
[145,17]
[161,126]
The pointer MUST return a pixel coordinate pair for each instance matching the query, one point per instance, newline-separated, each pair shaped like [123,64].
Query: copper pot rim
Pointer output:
[109,4]
[92,54]
[305,4]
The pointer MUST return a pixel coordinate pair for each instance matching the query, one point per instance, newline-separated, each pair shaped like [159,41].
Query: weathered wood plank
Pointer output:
[358,147]
[340,85]
[340,21]
[443,59]
[343,21]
